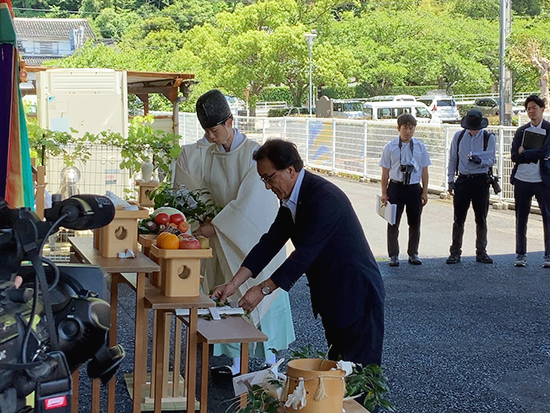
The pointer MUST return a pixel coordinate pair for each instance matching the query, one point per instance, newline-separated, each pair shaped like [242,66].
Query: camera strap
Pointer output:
[411,145]
[486,136]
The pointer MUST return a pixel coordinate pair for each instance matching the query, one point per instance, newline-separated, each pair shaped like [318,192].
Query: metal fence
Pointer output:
[354,147]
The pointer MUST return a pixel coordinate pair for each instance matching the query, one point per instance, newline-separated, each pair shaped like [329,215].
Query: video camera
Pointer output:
[52,319]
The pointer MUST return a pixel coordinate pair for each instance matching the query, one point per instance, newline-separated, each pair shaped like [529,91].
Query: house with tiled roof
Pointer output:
[39,40]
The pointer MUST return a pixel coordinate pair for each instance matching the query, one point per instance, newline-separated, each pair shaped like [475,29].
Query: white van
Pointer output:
[392,109]
[394,98]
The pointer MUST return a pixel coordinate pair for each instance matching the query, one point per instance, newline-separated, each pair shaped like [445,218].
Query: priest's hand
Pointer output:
[206,229]
[252,298]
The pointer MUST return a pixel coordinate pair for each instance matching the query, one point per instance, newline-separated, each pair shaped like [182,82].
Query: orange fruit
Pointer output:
[160,237]
[169,242]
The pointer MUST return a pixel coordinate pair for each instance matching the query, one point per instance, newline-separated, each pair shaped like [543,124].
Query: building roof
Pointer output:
[38,60]
[139,83]
[50,29]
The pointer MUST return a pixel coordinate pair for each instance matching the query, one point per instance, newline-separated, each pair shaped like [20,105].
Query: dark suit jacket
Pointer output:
[532,155]
[330,248]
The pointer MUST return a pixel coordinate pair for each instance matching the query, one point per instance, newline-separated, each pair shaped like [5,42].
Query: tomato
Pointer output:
[183,226]
[162,218]
[176,218]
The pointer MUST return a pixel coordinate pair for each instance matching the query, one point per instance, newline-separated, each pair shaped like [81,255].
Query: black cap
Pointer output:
[474,120]
[212,109]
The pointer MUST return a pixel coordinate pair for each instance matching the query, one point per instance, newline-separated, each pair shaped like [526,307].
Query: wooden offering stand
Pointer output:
[121,234]
[180,270]
[145,189]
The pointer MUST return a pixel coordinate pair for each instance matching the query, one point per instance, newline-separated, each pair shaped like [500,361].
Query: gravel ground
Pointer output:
[465,337]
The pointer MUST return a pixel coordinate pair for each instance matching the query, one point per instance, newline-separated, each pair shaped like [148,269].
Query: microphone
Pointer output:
[83,211]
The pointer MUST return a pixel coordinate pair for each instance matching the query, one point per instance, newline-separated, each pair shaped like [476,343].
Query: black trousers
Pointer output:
[362,341]
[474,190]
[409,197]
[523,194]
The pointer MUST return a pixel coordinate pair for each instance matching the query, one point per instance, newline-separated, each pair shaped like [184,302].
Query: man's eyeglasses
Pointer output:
[269,179]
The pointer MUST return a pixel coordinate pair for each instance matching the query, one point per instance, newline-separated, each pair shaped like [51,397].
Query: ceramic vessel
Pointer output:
[146,171]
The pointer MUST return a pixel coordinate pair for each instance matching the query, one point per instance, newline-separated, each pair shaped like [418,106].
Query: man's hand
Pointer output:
[252,298]
[224,291]
[474,159]
[424,198]
[451,188]
[384,198]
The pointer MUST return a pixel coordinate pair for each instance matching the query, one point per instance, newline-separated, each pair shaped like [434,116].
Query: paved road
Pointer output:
[467,337]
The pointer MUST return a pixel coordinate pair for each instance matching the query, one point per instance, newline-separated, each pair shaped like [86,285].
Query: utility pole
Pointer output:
[505,76]
[309,39]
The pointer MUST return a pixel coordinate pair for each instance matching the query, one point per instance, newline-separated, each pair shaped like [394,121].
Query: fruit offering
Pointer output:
[168,241]
[165,219]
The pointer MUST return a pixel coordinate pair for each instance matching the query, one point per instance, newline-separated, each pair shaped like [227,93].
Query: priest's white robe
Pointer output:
[248,211]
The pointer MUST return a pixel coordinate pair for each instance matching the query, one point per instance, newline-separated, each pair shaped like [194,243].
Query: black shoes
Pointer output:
[221,373]
[414,260]
[453,259]
[394,261]
[484,258]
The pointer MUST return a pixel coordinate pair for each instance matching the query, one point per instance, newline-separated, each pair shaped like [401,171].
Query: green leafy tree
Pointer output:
[529,53]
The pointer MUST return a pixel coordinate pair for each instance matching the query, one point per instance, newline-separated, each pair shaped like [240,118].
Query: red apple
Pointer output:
[189,243]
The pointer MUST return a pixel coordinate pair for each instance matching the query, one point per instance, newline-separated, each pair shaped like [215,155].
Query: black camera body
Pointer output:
[407,171]
[493,181]
[55,320]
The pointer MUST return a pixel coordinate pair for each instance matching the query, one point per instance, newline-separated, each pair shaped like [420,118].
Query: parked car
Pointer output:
[442,107]
[491,106]
[390,110]
[347,108]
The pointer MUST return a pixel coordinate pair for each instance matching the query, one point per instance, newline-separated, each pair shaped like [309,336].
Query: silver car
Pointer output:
[491,106]
[442,107]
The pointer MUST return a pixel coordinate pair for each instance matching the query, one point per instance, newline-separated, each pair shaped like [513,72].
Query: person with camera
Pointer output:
[531,177]
[404,163]
[471,159]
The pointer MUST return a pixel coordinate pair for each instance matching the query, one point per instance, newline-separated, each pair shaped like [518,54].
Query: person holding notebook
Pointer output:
[531,176]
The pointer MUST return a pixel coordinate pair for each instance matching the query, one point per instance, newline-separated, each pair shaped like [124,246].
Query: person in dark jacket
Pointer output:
[531,177]
[330,248]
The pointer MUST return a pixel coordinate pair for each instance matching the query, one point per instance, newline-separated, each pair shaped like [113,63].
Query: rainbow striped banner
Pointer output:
[16,181]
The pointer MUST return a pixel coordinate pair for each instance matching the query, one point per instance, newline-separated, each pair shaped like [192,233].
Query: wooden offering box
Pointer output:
[180,270]
[121,234]
[145,189]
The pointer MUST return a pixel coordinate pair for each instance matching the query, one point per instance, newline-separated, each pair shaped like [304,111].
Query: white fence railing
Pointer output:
[354,147]
[345,146]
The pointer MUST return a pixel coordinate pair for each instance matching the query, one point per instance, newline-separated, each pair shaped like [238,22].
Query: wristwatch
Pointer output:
[266,290]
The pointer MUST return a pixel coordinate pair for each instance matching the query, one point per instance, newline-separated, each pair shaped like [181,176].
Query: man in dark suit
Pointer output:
[330,248]
[531,177]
